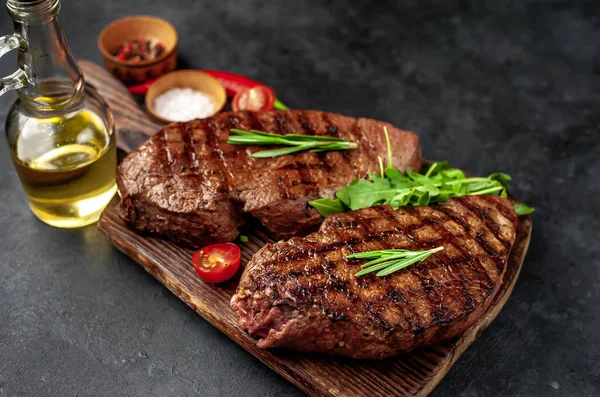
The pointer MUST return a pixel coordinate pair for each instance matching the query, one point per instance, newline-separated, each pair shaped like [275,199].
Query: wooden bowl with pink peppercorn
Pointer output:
[139,48]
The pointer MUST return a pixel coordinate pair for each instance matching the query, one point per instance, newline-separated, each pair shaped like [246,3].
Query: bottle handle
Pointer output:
[18,79]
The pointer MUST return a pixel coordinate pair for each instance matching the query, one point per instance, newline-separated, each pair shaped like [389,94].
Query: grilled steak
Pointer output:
[302,293]
[186,183]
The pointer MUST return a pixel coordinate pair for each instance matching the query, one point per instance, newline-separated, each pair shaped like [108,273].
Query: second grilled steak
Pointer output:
[302,293]
[187,184]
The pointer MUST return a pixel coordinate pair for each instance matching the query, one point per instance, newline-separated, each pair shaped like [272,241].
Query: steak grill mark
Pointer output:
[225,178]
[478,237]
[428,284]
[490,223]
[379,316]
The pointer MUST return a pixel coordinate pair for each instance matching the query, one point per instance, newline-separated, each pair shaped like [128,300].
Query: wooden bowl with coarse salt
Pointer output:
[185,95]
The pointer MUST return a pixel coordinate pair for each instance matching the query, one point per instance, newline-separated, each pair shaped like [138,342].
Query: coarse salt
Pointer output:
[183,104]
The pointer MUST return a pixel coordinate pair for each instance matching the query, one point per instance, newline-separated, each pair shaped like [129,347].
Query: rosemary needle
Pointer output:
[296,142]
[387,262]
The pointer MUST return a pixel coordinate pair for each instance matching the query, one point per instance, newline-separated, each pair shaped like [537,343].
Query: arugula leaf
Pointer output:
[504,179]
[522,209]
[365,193]
[327,206]
[395,176]
[401,199]
[435,167]
[439,183]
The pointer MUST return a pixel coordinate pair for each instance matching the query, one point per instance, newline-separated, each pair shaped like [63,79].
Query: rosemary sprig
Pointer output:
[296,142]
[386,262]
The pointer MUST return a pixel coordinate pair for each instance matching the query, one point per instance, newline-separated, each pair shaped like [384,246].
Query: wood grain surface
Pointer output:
[133,126]
[411,374]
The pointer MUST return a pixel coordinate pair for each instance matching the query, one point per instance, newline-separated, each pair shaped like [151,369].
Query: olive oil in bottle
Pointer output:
[67,167]
[60,132]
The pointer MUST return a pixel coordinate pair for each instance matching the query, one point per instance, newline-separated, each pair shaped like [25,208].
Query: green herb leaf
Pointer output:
[299,137]
[280,152]
[504,179]
[375,254]
[523,209]
[297,143]
[327,206]
[388,145]
[279,105]
[365,193]
[243,239]
[390,186]
[386,262]
[437,184]
[399,265]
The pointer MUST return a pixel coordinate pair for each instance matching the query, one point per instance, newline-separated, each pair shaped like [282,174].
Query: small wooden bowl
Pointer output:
[152,28]
[193,79]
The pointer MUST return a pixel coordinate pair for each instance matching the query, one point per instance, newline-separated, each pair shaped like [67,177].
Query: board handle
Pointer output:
[132,124]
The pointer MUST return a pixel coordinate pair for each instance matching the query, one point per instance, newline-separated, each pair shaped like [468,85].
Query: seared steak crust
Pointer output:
[302,293]
[186,183]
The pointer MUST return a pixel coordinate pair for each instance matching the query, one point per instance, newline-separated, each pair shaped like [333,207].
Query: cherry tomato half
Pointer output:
[255,99]
[217,263]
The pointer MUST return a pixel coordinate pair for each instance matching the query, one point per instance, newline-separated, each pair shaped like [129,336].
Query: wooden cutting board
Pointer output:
[412,374]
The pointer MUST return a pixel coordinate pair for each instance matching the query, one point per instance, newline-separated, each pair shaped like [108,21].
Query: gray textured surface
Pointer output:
[498,85]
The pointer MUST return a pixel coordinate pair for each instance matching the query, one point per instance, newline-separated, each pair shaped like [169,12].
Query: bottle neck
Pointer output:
[54,81]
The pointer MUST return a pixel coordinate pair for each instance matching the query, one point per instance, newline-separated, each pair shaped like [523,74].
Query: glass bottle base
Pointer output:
[72,214]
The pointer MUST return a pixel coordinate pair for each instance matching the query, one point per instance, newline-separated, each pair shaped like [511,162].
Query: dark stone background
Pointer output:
[493,85]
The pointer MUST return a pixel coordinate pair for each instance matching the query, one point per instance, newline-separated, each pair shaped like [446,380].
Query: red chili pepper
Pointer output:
[232,82]
[235,83]
[141,89]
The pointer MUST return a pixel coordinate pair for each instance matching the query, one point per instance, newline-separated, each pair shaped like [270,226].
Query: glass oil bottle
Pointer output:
[60,131]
